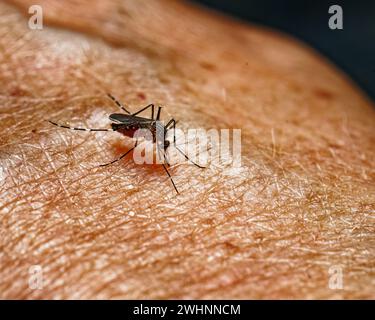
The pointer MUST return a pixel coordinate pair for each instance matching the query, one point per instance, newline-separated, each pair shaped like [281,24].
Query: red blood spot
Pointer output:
[141,96]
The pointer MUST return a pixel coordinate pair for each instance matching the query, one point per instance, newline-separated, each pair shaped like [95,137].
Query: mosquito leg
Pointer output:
[145,108]
[172,123]
[170,177]
[187,158]
[118,103]
[78,129]
[165,159]
[158,115]
[118,159]
[165,168]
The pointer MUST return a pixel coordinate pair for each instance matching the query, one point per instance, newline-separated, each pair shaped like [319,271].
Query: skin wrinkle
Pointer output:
[272,232]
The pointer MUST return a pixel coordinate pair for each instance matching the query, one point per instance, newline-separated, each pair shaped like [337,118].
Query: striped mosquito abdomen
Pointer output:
[126,130]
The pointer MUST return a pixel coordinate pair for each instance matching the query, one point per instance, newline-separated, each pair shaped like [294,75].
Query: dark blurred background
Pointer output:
[351,49]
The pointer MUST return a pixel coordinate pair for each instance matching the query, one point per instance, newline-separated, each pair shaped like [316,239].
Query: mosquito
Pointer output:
[128,123]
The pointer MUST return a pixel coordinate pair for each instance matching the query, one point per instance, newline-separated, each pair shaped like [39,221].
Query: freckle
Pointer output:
[208,66]
[230,246]
[208,221]
[17,92]
[244,89]
[324,94]
[295,87]
[34,131]
[164,80]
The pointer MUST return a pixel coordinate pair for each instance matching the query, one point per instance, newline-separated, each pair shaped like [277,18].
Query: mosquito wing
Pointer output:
[127,118]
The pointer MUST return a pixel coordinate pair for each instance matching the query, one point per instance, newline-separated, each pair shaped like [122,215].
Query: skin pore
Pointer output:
[298,212]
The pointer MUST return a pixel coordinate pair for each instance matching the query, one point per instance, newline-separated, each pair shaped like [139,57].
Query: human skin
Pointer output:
[299,210]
